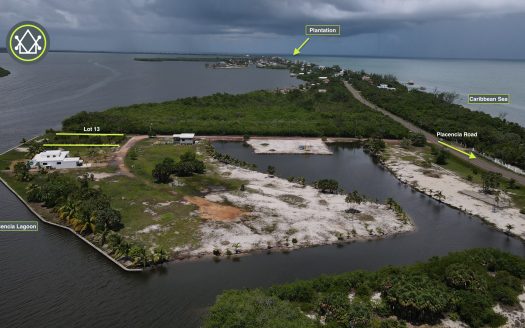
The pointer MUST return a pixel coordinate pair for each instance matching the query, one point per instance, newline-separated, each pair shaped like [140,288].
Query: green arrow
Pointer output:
[470,155]
[297,51]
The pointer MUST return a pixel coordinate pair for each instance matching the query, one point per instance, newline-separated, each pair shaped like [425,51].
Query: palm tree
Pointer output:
[390,202]
[237,248]
[159,256]
[84,225]
[122,249]
[34,192]
[68,211]
[509,228]
[439,195]
[138,255]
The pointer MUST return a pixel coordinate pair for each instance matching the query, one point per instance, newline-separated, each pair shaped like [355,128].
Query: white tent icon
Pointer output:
[33,50]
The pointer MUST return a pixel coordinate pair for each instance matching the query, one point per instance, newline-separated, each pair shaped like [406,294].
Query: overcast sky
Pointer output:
[406,28]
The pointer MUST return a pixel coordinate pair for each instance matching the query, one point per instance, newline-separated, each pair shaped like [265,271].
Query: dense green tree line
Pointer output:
[434,112]
[300,113]
[464,285]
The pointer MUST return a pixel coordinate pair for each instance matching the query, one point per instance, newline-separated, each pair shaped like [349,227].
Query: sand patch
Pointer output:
[284,214]
[289,146]
[456,191]
[150,228]
[213,211]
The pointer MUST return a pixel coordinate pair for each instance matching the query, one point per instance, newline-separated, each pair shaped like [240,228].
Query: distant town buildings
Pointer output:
[385,86]
[55,159]
[367,79]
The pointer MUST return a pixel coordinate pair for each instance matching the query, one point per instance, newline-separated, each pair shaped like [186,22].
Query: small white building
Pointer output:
[55,159]
[184,138]
[385,86]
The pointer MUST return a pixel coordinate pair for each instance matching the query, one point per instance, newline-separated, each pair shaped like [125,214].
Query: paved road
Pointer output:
[478,162]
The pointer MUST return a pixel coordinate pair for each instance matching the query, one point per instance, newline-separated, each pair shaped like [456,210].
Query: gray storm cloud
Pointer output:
[147,23]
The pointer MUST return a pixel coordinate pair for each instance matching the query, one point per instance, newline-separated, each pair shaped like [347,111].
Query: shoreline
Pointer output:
[388,219]
[277,247]
[471,206]
[42,219]
[283,215]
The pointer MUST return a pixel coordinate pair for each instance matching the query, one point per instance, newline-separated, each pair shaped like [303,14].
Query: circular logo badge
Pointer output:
[27,42]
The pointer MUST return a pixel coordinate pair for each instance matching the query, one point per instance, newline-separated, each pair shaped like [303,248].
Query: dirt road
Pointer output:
[478,162]
[120,155]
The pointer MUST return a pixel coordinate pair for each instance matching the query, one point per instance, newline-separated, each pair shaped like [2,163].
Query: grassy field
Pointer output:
[144,203]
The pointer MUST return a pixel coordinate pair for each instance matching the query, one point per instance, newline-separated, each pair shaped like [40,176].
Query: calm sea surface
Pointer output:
[52,279]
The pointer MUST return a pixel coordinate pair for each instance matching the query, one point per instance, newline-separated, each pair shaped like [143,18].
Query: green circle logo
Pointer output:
[27,42]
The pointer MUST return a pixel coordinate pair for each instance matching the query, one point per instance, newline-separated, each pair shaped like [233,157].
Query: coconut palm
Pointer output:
[34,192]
[122,249]
[68,211]
[159,256]
[84,225]
[138,255]
[237,248]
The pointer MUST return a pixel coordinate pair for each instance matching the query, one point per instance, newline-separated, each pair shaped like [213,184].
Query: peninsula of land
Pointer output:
[161,196]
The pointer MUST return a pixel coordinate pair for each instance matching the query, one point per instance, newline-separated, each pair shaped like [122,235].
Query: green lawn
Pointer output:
[12,155]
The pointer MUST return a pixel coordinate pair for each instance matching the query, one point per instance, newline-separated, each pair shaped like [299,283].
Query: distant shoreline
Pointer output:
[2,50]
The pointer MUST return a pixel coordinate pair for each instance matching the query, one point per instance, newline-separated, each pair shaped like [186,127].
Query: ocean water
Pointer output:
[463,76]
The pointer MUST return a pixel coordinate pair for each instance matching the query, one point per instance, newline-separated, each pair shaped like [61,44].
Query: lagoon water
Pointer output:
[52,279]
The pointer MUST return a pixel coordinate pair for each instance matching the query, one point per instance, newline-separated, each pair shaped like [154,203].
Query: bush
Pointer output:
[390,323]
[162,171]
[476,310]
[416,298]
[360,315]
[418,139]
[327,185]
[21,171]
[255,309]
[335,307]
[300,291]
[441,157]
[270,170]
[463,276]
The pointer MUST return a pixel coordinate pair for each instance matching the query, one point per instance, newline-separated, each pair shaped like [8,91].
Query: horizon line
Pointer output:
[3,50]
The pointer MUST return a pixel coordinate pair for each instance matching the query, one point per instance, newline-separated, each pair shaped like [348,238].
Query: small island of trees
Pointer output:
[461,286]
[4,72]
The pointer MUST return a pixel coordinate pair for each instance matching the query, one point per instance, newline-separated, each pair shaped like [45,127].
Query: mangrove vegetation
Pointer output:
[462,286]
